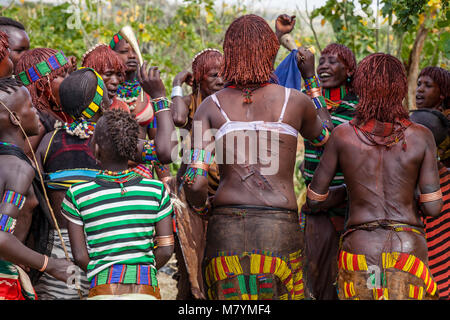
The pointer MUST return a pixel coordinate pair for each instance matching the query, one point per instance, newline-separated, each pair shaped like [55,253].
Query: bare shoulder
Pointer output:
[16,171]
[342,131]
[418,133]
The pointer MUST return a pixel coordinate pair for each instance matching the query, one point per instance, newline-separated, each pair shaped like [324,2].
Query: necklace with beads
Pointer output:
[80,128]
[7,144]
[128,92]
[119,177]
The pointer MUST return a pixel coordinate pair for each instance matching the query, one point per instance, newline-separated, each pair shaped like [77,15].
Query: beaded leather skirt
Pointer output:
[253,253]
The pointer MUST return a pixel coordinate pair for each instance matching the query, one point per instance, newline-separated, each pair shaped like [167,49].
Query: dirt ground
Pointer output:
[167,284]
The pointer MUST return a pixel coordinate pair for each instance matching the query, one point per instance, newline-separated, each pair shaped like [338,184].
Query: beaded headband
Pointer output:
[90,50]
[43,68]
[95,104]
[115,40]
[203,51]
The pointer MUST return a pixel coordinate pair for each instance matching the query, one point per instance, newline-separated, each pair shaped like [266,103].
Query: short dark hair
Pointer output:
[5,21]
[77,91]
[9,83]
[117,132]
[433,120]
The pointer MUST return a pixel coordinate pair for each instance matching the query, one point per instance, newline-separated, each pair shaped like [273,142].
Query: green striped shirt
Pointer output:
[119,227]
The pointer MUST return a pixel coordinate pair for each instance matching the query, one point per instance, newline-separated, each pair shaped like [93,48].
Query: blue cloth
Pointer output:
[287,72]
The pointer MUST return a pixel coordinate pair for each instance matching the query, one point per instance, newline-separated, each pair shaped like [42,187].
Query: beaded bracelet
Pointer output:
[200,162]
[314,91]
[312,82]
[322,138]
[149,153]
[14,198]
[160,104]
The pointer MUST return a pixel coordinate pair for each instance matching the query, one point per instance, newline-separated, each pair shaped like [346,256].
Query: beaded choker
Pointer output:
[43,68]
[247,91]
[119,177]
[96,102]
[333,97]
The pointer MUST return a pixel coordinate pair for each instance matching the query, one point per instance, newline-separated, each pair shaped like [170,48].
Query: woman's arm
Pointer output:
[180,106]
[78,245]
[152,84]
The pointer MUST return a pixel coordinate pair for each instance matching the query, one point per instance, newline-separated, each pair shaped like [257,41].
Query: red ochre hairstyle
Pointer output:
[344,54]
[380,83]
[101,58]
[31,58]
[203,62]
[442,78]
[4,45]
[250,47]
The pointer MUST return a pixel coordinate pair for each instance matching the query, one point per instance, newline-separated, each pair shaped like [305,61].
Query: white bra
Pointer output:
[279,126]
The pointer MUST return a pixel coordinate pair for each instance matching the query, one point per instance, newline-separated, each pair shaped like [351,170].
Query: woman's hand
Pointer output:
[151,81]
[59,268]
[305,62]
[284,24]
[183,77]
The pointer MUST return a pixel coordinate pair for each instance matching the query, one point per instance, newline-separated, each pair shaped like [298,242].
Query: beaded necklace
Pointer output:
[7,144]
[383,133]
[333,97]
[119,177]
[247,91]
[128,92]
[82,128]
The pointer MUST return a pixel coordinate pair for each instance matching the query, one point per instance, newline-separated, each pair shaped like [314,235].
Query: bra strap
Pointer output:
[287,92]
[213,96]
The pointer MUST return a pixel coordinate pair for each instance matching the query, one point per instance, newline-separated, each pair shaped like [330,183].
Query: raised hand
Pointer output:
[151,81]
[305,62]
[284,24]
[183,77]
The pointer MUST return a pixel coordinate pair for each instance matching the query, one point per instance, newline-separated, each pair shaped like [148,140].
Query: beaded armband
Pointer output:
[322,138]
[433,196]
[14,198]
[200,162]
[7,223]
[316,196]
[149,153]
[160,104]
[314,91]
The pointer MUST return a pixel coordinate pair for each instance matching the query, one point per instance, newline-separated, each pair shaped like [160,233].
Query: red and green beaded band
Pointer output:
[115,40]
[14,198]
[98,97]
[43,68]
